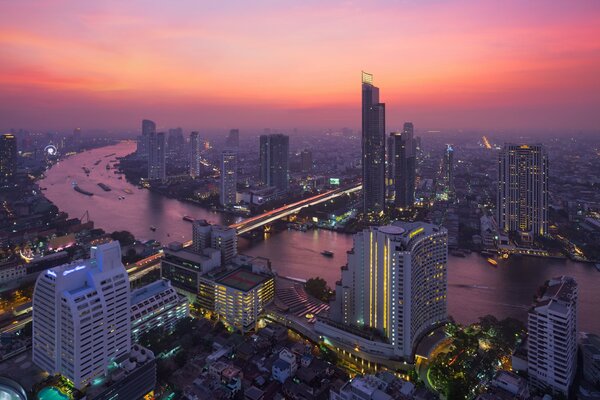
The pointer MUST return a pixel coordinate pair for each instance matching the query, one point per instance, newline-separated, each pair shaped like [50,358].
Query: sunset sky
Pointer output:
[281,64]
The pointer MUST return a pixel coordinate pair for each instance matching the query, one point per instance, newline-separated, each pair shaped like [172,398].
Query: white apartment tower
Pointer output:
[157,156]
[396,282]
[228,178]
[194,154]
[523,190]
[552,345]
[81,316]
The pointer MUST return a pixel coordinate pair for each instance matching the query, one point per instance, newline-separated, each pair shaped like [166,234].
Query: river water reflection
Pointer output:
[475,288]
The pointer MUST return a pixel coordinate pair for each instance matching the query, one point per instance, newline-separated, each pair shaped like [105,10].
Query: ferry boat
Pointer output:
[104,187]
[153,228]
[492,262]
[327,253]
[128,191]
[188,218]
[86,170]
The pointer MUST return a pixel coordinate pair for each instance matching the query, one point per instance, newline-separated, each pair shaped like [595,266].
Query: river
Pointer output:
[475,288]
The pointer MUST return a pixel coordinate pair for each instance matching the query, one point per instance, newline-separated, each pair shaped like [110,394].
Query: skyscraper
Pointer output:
[233,140]
[373,147]
[522,204]
[449,170]
[552,340]
[395,282]
[403,166]
[228,178]
[175,144]
[148,127]
[81,316]
[157,156]
[306,160]
[8,158]
[274,160]
[194,154]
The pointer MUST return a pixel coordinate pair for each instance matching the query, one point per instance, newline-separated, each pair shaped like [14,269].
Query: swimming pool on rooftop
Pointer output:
[51,393]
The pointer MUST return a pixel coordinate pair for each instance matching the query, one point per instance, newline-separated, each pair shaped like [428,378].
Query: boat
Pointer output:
[82,191]
[327,253]
[188,218]
[492,262]
[107,166]
[153,228]
[86,170]
[104,187]
[128,191]
[97,162]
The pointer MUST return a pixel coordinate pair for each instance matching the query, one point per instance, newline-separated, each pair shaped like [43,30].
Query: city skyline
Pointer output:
[513,67]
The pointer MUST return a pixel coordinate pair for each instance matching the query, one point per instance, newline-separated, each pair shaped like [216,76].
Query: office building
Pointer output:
[148,127]
[589,345]
[395,283]
[216,237]
[274,160]
[241,296]
[522,204]
[306,160]
[156,305]
[8,158]
[373,147]
[194,154]
[132,376]
[228,190]
[233,140]
[552,340]
[403,166]
[81,316]
[449,171]
[184,267]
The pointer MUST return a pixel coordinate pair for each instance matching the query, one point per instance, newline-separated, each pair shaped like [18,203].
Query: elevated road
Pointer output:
[255,222]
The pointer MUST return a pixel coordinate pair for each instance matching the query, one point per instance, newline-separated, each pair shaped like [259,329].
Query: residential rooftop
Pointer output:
[242,279]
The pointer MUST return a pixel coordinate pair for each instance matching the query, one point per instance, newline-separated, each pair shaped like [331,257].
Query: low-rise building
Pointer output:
[156,305]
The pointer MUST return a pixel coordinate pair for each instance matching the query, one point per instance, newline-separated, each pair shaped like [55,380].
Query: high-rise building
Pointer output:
[403,166]
[175,144]
[274,160]
[395,282]
[522,204]
[233,140]
[223,238]
[306,160]
[449,170]
[194,154]
[157,156]
[228,189]
[8,158]
[373,147]
[589,345]
[82,316]
[148,127]
[552,340]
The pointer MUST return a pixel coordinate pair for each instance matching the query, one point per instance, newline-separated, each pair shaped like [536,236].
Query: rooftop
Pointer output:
[242,279]
[149,290]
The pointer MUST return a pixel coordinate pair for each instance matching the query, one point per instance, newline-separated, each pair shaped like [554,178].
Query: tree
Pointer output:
[317,287]
[125,238]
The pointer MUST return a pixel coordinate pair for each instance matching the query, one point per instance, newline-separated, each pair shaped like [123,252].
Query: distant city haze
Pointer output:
[288,64]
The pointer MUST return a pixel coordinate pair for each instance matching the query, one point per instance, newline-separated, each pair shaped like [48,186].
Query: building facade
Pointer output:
[148,127]
[228,190]
[156,305]
[194,154]
[403,166]
[522,203]
[274,161]
[396,283]
[373,147]
[8,158]
[589,344]
[233,139]
[81,316]
[552,340]
[157,156]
